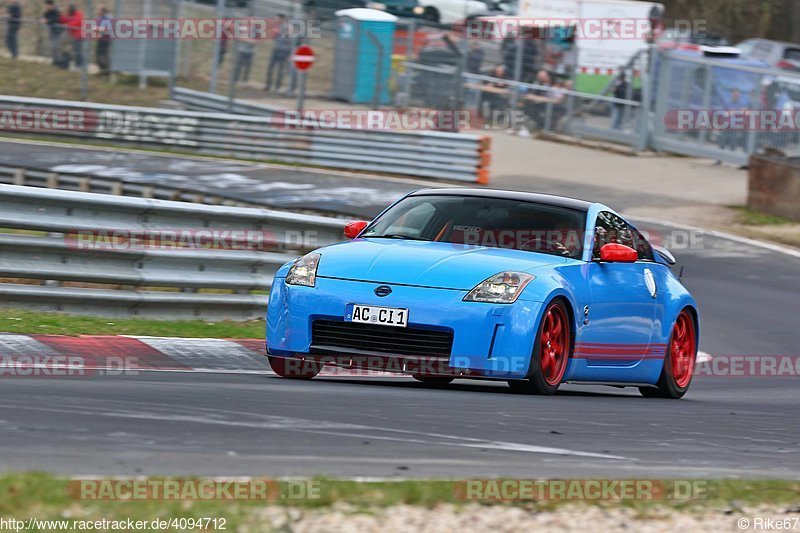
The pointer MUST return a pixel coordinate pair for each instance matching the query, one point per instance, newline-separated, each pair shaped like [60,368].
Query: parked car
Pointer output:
[452,283]
[684,39]
[399,8]
[326,9]
[776,54]
[451,11]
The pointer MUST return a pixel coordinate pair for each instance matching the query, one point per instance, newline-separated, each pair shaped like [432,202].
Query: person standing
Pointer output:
[12,29]
[280,54]
[74,23]
[52,19]
[103,53]
[620,92]
[245,50]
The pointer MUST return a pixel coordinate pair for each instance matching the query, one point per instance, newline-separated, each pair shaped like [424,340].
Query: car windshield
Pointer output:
[490,222]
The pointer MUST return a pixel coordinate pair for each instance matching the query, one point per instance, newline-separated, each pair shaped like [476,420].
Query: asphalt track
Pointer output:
[245,424]
[269,185]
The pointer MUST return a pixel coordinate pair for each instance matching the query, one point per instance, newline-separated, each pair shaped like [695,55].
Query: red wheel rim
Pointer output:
[554,345]
[683,350]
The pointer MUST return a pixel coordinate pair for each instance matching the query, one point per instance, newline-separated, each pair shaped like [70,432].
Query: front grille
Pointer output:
[381,339]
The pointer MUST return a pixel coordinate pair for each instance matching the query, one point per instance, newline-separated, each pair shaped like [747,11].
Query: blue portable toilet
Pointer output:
[363,56]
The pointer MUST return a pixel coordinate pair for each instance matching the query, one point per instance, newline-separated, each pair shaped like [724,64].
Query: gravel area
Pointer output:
[443,518]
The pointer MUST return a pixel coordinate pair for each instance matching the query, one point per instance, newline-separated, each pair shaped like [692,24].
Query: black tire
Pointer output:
[294,368]
[667,386]
[536,382]
[433,381]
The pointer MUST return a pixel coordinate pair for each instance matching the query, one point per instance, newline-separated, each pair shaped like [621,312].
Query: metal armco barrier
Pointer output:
[427,154]
[203,101]
[74,266]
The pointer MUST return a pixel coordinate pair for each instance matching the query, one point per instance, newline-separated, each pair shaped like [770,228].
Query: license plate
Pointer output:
[382,316]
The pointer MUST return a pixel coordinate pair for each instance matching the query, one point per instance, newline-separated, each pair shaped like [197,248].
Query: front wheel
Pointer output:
[676,375]
[550,353]
[294,368]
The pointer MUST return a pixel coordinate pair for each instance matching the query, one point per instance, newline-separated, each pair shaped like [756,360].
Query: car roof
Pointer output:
[547,199]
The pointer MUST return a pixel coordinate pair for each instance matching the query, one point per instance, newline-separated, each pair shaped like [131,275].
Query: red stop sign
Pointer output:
[303,57]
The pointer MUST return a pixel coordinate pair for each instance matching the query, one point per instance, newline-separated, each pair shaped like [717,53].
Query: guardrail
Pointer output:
[427,154]
[204,101]
[106,255]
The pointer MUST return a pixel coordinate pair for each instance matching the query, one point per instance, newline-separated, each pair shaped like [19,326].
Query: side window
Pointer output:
[609,229]
[792,54]
[642,246]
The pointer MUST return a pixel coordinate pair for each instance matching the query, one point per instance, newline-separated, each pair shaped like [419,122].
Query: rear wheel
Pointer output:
[676,375]
[550,353]
[294,368]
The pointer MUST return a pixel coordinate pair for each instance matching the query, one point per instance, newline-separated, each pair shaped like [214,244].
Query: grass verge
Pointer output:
[42,80]
[48,497]
[21,321]
[751,217]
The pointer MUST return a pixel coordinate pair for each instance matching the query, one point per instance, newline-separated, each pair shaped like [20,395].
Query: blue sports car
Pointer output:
[534,289]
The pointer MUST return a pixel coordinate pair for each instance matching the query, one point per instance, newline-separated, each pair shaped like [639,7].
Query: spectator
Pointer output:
[529,54]
[543,78]
[294,74]
[102,57]
[535,110]
[730,138]
[496,98]
[14,22]
[474,58]
[509,52]
[223,46]
[473,66]
[280,54]
[74,24]
[55,29]
[244,52]
[621,92]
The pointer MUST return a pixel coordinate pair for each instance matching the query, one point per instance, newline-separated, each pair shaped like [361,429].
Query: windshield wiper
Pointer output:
[399,236]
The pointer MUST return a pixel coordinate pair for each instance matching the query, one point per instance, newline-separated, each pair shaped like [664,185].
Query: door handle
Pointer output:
[650,281]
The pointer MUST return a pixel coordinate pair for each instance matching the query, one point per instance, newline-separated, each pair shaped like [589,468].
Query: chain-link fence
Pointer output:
[656,99]
[725,110]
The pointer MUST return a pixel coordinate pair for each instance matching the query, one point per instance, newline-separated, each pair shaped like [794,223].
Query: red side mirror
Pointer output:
[352,229]
[618,253]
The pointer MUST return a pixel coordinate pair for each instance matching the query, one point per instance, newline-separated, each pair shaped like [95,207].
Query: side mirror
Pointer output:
[352,229]
[618,253]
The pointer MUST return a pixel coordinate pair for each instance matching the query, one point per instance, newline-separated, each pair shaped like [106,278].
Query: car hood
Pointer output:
[426,264]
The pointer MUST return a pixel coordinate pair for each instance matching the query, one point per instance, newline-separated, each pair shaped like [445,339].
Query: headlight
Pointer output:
[304,270]
[502,288]
[377,5]
[418,10]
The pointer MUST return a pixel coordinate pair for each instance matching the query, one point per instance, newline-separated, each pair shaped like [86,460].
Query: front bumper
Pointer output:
[489,340]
